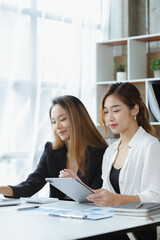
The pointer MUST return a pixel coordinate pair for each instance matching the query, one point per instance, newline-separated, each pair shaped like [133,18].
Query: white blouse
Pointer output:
[140,174]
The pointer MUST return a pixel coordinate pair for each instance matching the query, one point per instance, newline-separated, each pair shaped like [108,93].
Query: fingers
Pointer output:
[68,173]
[98,190]
[72,174]
[93,197]
[98,201]
[100,197]
[64,174]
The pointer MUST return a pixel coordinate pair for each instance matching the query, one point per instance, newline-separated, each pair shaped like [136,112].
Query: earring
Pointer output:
[135,117]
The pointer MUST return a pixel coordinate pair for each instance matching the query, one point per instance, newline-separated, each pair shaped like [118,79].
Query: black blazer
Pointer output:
[51,163]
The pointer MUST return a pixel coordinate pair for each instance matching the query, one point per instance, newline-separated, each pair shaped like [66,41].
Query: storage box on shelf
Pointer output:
[134,49]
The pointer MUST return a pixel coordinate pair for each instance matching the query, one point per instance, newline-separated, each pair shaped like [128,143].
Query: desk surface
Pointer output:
[18,225]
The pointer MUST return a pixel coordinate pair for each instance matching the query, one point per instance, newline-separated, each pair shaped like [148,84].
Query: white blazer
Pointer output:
[140,174]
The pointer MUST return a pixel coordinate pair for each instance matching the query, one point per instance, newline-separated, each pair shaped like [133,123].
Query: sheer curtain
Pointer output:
[47,48]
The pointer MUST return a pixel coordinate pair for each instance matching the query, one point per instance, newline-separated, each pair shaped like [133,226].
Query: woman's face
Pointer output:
[117,115]
[60,122]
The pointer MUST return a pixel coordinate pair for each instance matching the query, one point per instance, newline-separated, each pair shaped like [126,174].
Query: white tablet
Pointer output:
[74,189]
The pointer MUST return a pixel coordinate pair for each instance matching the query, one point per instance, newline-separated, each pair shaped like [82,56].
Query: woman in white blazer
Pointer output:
[131,165]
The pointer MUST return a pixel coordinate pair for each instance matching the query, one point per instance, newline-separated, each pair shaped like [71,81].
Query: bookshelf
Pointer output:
[134,50]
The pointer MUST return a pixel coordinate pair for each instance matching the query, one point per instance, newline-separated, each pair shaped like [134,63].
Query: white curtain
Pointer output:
[47,48]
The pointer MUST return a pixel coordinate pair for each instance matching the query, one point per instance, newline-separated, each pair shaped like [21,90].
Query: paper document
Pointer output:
[93,213]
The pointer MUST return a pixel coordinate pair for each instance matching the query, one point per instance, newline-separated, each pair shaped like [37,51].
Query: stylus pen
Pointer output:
[27,208]
[68,216]
[139,205]
[73,216]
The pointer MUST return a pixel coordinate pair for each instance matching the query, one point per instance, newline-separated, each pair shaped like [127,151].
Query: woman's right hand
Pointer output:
[68,173]
[64,174]
[6,190]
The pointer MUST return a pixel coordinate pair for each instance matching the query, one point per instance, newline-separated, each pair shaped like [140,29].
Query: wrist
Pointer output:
[124,199]
[6,190]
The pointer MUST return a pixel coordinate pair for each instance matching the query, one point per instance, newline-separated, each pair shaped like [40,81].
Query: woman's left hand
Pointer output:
[102,197]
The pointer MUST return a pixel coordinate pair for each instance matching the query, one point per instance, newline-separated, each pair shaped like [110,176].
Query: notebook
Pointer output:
[4,202]
[145,211]
[133,207]
[40,200]
[74,189]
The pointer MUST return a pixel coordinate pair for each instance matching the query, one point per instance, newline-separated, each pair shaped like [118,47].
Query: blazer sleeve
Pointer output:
[35,180]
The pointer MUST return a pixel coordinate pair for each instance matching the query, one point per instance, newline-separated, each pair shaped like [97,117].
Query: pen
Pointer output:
[73,216]
[27,208]
[139,205]
[147,215]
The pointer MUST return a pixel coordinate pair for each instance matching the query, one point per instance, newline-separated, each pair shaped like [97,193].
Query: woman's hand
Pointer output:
[103,198]
[68,173]
[64,174]
[6,190]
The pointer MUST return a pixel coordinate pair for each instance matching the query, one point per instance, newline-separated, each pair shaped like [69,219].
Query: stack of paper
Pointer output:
[138,210]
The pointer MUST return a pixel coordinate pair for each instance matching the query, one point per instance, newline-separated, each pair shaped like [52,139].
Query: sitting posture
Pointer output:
[77,145]
[131,165]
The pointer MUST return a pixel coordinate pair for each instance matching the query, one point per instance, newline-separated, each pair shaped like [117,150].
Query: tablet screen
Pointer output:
[76,190]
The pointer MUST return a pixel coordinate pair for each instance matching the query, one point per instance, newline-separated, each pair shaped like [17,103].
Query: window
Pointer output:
[47,49]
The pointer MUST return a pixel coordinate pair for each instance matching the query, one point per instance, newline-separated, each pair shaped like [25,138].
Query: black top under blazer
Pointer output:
[51,163]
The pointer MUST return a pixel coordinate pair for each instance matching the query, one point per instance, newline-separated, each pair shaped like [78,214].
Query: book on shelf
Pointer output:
[136,210]
[154,99]
[156,88]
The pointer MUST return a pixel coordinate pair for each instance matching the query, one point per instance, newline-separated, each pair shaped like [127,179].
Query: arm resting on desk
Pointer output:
[103,197]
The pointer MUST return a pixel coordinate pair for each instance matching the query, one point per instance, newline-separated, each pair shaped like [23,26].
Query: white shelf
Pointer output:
[131,81]
[136,56]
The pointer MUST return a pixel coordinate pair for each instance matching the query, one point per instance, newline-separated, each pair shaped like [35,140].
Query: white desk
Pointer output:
[22,226]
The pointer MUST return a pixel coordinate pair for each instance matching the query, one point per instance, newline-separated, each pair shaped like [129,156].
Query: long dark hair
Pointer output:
[129,95]
[83,131]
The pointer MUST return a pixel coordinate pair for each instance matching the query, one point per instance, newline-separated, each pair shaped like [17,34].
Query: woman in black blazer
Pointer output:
[77,145]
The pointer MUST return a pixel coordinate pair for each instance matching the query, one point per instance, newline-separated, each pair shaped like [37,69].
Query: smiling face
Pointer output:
[117,115]
[60,122]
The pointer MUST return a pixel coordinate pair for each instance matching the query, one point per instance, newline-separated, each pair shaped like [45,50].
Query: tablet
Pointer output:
[74,189]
